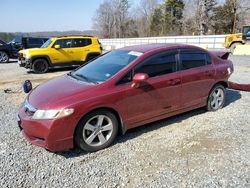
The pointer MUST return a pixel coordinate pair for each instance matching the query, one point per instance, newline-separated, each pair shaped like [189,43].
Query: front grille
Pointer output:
[20,56]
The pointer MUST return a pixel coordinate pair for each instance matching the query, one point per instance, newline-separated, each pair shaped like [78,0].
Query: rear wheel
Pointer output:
[4,58]
[40,66]
[216,99]
[96,130]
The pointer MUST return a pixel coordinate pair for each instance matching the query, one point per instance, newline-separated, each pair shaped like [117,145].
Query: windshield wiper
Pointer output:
[86,78]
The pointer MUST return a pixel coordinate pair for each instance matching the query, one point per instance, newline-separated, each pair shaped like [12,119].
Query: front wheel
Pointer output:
[216,99]
[40,66]
[96,130]
[4,58]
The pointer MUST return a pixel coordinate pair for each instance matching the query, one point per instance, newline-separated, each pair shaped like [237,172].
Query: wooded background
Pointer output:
[117,19]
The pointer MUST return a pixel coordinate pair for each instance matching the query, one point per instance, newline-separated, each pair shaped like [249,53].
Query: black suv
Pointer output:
[10,50]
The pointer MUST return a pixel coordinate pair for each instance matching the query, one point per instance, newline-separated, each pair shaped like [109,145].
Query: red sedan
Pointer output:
[122,89]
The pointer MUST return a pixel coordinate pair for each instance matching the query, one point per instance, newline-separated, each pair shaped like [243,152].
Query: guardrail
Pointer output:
[211,41]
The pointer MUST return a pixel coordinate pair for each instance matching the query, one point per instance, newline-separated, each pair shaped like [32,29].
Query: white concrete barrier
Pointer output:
[211,41]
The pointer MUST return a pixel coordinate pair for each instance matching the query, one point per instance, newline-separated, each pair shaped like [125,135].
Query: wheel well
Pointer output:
[35,58]
[235,42]
[121,126]
[225,84]
[5,52]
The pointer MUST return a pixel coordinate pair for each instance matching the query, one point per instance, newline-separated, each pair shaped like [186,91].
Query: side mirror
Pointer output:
[57,47]
[138,79]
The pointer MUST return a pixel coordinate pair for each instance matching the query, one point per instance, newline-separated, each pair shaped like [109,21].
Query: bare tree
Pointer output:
[143,16]
[111,18]
[204,15]
[104,19]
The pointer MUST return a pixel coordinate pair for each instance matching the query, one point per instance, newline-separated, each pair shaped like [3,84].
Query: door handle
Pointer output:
[71,52]
[174,82]
[87,50]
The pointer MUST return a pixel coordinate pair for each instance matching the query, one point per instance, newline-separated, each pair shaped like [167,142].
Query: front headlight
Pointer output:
[52,114]
[27,54]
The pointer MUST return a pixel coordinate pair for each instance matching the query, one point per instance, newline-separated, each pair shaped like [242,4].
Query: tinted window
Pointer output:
[81,42]
[35,41]
[160,64]
[18,39]
[193,58]
[127,78]
[246,31]
[64,43]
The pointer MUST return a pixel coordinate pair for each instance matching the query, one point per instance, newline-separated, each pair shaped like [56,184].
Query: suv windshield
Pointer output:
[47,43]
[106,66]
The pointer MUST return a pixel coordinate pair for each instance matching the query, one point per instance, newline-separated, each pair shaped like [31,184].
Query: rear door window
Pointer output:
[193,58]
[81,43]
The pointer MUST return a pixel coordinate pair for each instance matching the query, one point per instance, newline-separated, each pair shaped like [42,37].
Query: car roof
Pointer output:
[150,47]
[75,36]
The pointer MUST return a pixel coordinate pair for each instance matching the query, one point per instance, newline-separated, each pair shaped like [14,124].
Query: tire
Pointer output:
[96,131]
[216,98]
[233,46]
[4,57]
[40,66]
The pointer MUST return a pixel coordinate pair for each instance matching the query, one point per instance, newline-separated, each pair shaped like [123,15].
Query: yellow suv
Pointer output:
[60,51]
[232,40]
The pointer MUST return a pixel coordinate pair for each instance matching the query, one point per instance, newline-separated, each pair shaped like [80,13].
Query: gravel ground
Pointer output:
[195,149]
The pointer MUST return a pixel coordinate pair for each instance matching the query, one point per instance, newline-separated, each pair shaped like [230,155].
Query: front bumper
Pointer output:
[54,135]
[24,62]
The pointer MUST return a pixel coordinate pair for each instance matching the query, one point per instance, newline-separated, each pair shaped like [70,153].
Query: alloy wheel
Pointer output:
[218,97]
[98,130]
[3,57]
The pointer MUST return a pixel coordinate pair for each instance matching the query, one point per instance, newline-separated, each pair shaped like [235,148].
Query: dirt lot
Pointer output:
[195,149]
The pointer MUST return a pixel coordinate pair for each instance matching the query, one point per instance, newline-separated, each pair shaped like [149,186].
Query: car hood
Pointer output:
[27,52]
[2,42]
[55,92]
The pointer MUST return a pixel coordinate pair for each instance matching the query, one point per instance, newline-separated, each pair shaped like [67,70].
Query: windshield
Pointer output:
[17,40]
[106,66]
[246,30]
[47,43]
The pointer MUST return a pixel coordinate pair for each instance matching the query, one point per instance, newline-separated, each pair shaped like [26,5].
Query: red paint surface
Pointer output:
[159,97]
[241,87]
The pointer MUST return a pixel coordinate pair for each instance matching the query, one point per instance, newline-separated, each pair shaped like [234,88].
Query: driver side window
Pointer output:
[64,43]
[157,65]
[160,64]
